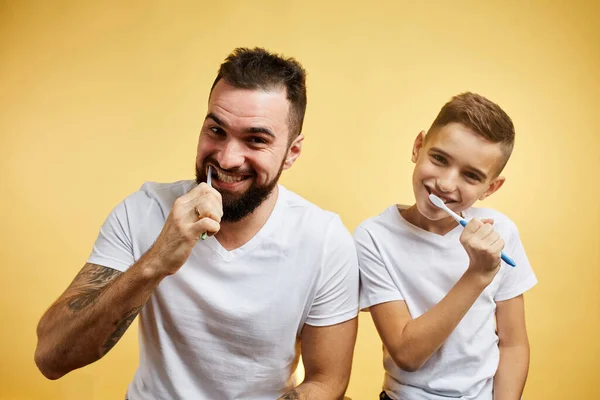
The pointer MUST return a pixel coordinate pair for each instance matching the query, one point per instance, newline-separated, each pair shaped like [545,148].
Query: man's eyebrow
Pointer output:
[261,129]
[254,129]
[216,119]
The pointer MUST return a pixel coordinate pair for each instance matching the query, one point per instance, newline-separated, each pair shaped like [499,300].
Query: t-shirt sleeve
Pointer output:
[515,280]
[376,284]
[336,299]
[114,246]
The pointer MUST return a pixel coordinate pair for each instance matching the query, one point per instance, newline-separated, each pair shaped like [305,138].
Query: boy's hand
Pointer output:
[484,246]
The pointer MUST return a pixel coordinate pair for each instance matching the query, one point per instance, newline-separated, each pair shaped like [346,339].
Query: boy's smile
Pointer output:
[457,165]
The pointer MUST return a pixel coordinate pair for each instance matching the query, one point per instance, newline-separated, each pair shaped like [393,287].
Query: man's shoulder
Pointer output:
[158,194]
[303,208]
[160,189]
[308,219]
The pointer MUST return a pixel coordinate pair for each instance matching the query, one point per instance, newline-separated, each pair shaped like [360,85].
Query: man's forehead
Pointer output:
[225,91]
[249,102]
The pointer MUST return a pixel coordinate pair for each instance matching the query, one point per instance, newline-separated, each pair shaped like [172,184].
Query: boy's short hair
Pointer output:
[481,115]
[259,69]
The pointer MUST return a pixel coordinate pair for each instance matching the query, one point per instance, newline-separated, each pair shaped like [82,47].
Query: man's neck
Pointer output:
[233,235]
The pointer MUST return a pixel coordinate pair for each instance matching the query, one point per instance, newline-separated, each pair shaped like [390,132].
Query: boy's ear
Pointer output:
[419,141]
[493,187]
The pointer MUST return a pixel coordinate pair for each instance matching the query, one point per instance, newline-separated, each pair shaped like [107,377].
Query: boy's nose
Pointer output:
[447,184]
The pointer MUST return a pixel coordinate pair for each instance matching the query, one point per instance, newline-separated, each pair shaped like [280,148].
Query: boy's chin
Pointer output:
[433,213]
[432,216]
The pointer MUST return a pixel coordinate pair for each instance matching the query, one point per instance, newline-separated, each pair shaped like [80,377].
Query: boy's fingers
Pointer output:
[473,226]
[497,246]
[484,232]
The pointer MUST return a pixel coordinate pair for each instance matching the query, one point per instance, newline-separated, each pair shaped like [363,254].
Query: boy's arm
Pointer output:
[411,342]
[514,349]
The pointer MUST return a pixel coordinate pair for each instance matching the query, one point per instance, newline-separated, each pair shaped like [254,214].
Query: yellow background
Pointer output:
[97,97]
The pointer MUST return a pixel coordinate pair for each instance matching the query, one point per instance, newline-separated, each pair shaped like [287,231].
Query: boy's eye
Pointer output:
[472,176]
[438,158]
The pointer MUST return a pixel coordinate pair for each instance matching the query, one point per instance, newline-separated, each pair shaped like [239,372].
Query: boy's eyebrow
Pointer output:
[479,172]
[254,129]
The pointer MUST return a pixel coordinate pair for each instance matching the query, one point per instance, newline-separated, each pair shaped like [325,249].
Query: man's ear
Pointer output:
[419,142]
[293,152]
[493,187]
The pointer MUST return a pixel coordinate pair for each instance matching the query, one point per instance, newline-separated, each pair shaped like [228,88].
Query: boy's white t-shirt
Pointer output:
[227,324]
[399,261]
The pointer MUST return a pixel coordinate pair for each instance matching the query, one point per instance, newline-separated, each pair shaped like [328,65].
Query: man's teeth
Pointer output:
[228,178]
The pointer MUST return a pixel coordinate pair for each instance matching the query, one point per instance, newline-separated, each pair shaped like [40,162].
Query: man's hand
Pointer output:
[198,211]
[484,246]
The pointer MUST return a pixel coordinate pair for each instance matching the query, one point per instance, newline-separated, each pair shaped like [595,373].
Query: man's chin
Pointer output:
[231,199]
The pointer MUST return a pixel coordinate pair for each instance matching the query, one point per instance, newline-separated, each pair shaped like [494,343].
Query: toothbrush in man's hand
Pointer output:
[208,181]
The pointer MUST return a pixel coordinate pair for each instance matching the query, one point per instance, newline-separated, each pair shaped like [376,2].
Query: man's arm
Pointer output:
[91,316]
[327,355]
[514,349]
[100,304]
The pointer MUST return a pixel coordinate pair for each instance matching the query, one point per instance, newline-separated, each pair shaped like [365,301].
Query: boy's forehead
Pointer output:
[467,147]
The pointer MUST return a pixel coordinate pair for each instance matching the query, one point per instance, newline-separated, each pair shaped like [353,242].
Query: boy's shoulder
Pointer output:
[385,220]
[390,222]
[501,221]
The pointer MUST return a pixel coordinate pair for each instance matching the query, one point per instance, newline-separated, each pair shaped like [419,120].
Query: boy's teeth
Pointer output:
[228,178]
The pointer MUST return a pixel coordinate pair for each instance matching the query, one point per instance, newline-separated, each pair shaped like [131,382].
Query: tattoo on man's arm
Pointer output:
[91,281]
[293,395]
[121,327]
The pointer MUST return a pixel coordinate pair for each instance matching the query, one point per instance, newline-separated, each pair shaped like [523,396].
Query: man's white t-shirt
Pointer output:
[227,324]
[399,261]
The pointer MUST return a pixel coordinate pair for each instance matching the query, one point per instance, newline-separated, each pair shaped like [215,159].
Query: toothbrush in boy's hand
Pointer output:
[440,204]
[208,181]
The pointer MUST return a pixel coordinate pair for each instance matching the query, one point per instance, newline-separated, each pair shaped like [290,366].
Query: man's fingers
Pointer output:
[208,225]
[198,191]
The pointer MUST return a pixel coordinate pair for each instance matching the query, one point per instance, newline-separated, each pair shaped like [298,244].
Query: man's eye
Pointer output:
[257,140]
[217,131]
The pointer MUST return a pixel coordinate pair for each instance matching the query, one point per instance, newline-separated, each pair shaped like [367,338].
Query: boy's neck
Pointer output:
[439,227]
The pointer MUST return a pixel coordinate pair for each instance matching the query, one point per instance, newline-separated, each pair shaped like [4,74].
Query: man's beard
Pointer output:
[237,207]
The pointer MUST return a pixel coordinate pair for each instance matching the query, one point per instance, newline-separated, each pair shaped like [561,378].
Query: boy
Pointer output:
[451,317]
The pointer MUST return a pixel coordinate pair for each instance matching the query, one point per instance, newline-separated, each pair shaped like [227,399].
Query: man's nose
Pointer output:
[231,155]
